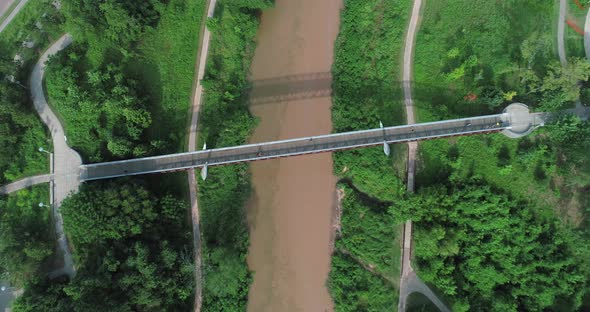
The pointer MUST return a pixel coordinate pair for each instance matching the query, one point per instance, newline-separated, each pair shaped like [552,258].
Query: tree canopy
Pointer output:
[131,252]
[490,252]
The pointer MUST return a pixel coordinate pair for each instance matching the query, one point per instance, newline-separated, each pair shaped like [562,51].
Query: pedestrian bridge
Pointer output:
[515,121]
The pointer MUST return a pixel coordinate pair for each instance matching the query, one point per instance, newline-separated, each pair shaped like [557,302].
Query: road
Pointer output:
[24,183]
[192,140]
[66,161]
[14,12]
[409,281]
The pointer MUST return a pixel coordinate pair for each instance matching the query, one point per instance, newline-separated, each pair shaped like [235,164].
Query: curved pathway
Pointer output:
[24,183]
[410,282]
[14,12]
[192,140]
[66,161]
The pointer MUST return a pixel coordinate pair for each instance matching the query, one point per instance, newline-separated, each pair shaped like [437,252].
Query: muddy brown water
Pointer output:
[290,212]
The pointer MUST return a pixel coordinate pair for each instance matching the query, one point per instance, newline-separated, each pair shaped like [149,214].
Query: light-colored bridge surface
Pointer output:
[300,146]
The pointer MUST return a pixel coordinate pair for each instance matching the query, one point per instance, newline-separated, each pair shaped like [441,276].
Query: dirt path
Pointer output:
[409,281]
[290,212]
[192,140]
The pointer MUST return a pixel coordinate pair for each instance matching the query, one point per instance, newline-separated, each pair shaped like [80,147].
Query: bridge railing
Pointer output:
[291,147]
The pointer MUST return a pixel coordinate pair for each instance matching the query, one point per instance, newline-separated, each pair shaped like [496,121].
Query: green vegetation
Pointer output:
[131,253]
[21,131]
[367,90]
[365,265]
[119,93]
[38,22]
[486,235]
[131,238]
[475,57]
[226,121]
[165,69]
[354,288]
[493,252]
[104,117]
[25,234]
[367,233]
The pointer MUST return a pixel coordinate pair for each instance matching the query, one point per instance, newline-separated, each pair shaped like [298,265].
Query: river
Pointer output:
[291,209]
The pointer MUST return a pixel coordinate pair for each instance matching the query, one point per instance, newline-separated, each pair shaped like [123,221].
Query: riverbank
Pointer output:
[367,90]
[225,121]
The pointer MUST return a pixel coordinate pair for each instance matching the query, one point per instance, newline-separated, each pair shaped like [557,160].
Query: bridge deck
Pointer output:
[299,146]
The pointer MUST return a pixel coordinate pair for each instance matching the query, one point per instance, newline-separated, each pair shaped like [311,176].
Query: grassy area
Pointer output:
[367,90]
[370,233]
[165,68]
[480,48]
[469,55]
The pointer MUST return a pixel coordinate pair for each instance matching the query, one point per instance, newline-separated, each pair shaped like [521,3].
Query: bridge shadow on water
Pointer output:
[371,91]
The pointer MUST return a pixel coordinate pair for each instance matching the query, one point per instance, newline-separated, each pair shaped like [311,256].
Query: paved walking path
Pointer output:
[66,161]
[192,140]
[410,282]
[24,183]
[12,14]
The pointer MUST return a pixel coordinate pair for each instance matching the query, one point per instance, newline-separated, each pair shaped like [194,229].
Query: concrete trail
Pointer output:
[66,161]
[25,183]
[14,12]
[410,282]
[192,140]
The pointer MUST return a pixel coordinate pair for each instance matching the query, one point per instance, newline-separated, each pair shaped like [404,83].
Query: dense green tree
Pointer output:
[104,115]
[131,251]
[110,25]
[356,289]
[490,252]
[571,136]
[25,240]
[564,81]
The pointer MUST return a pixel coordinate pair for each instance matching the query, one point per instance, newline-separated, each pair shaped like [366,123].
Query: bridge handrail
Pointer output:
[314,138]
